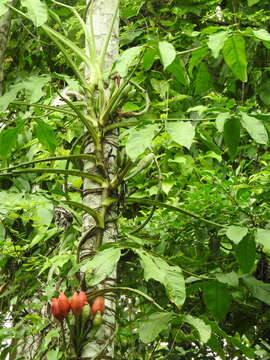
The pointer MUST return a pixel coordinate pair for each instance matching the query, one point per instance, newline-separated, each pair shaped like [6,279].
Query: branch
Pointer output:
[173,208]
[82,174]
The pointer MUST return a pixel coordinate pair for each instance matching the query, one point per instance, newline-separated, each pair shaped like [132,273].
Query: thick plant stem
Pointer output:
[98,196]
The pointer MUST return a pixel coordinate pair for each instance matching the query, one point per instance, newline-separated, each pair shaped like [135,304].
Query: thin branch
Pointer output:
[173,208]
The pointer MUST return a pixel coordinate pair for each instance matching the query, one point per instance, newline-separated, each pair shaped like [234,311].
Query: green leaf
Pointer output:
[234,53]
[238,343]
[245,254]
[258,289]
[262,236]
[34,86]
[175,285]
[45,135]
[126,60]
[37,11]
[177,68]
[3,7]
[101,265]
[54,333]
[8,139]
[170,276]
[149,58]
[203,329]
[52,355]
[220,121]
[236,233]
[230,279]
[232,135]
[203,82]
[167,53]
[196,58]
[255,128]
[182,132]
[261,34]
[149,329]
[139,140]
[217,298]
[214,344]
[216,42]
[252,2]
[7,98]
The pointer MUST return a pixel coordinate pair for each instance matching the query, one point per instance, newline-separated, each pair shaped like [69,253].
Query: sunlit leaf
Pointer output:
[167,53]
[150,328]
[182,132]
[234,53]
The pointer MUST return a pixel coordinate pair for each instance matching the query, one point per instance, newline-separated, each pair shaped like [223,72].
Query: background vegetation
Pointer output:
[193,210]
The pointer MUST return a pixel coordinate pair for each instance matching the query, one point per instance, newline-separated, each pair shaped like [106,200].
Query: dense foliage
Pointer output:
[193,208]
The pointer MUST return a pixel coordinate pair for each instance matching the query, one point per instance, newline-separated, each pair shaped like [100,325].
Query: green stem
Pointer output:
[174,208]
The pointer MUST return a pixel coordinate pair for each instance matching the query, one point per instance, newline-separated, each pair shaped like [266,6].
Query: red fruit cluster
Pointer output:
[60,307]
[77,302]
[98,305]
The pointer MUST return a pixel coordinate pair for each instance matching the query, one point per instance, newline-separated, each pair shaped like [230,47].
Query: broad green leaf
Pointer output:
[167,53]
[230,279]
[196,58]
[245,254]
[234,53]
[139,140]
[149,329]
[255,128]
[170,276]
[52,355]
[126,60]
[37,11]
[216,42]
[261,34]
[8,139]
[236,233]
[34,86]
[3,7]
[252,2]
[43,213]
[262,236]
[203,81]
[258,289]
[182,132]
[217,298]
[203,329]
[232,135]
[7,98]
[161,86]
[101,265]
[45,135]
[220,121]
[177,68]
[149,58]
[175,285]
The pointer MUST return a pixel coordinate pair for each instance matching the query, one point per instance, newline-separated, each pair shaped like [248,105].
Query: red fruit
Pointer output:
[55,310]
[76,304]
[83,297]
[64,304]
[98,305]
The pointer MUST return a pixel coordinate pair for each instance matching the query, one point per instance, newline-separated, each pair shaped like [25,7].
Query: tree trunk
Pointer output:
[94,194]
